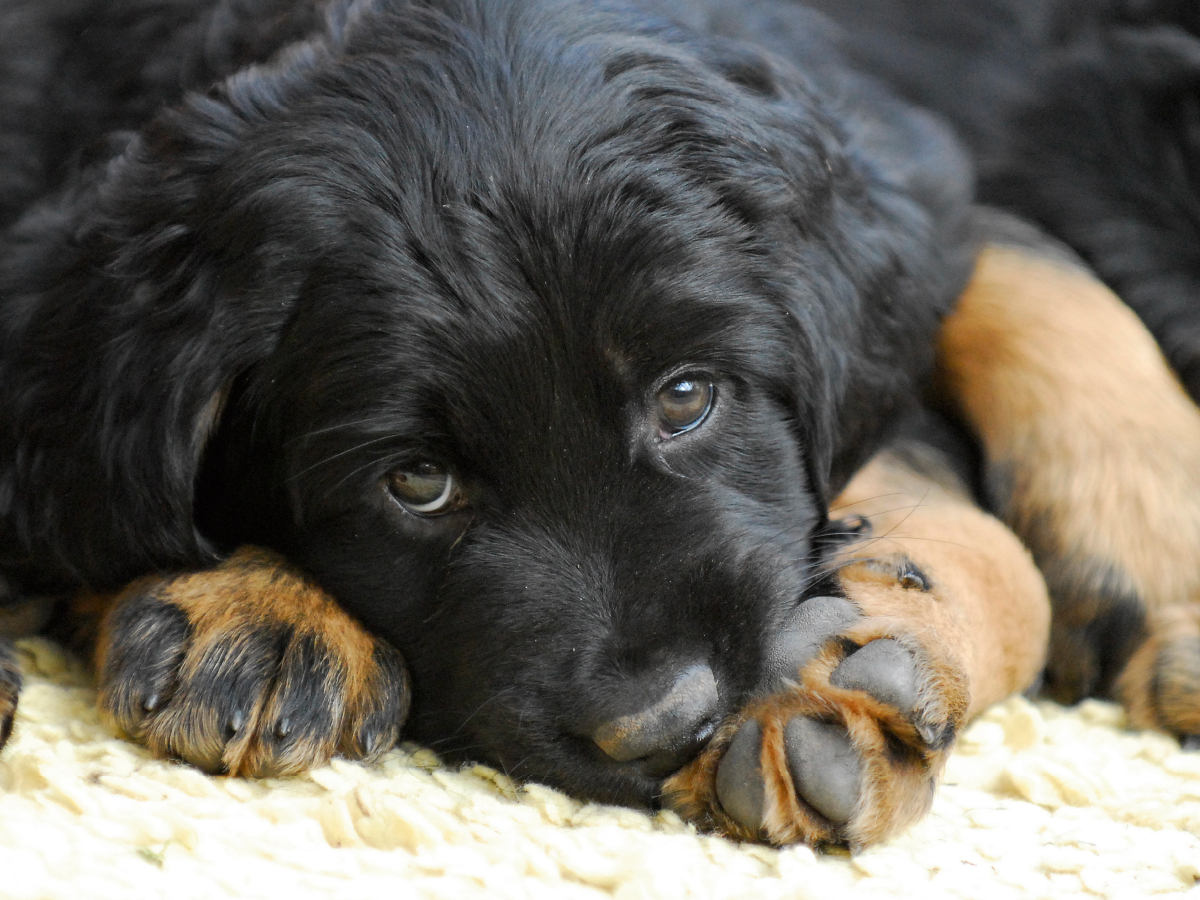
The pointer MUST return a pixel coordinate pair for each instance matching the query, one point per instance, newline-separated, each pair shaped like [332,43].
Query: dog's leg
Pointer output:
[946,615]
[18,617]
[10,688]
[247,668]
[1093,457]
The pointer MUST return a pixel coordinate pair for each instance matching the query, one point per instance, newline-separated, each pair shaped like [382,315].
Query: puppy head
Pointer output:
[562,419]
[562,488]
[546,339]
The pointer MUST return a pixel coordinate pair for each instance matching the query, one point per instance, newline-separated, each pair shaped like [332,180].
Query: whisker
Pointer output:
[338,427]
[913,537]
[349,475]
[912,507]
[341,453]
[834,509]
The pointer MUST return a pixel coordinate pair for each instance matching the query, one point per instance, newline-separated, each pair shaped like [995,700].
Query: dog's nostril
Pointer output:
[671,727]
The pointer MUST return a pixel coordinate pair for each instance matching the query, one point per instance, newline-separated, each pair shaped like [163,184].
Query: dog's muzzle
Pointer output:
[671,729]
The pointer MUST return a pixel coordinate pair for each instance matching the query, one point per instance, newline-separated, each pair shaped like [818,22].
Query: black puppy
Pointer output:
[539,334]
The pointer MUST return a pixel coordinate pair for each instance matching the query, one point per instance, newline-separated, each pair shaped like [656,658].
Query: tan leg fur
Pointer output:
[1093,452]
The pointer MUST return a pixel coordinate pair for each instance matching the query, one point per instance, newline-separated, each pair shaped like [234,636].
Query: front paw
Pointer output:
[1160,687]
[848,753]
[249,669]
[10,688]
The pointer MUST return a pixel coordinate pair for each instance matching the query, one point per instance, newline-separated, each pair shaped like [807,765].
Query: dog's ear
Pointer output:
[128,304]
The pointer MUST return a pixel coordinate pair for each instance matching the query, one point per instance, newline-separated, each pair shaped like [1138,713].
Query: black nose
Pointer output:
[668,732]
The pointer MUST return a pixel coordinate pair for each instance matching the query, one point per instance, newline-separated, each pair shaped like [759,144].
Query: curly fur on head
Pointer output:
[483,233]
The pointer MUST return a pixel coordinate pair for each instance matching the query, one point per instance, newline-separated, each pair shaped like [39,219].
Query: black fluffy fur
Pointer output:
[1082,115]
[256,254]
[235,294]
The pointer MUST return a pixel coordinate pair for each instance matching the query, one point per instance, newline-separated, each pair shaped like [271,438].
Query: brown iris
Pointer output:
[425,487]
[684,404]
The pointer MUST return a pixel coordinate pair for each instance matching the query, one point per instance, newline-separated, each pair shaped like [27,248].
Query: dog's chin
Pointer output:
[540,742]
[573,765]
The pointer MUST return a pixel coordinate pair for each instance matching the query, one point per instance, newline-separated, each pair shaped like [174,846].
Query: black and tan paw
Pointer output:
[247,669]
[10,689]
[19,617]
[1160,685]
[849,753]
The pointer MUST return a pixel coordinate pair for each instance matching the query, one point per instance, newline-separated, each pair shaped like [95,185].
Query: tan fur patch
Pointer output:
[1069,392]
[1099,444]
[230,611]
[977,633]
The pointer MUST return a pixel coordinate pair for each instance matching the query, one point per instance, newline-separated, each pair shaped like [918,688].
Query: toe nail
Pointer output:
[237,721]
[856,525]
[284,728]
[936,737]
[741,790]
[824,767]
[884,669]
[150,704]
[911,578]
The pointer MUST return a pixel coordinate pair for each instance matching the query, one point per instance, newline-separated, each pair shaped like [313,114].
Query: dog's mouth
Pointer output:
[652,728]
[660,761]
[621,752]
[577,766]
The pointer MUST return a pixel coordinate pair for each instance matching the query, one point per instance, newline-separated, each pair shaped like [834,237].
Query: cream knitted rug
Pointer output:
[1037,802]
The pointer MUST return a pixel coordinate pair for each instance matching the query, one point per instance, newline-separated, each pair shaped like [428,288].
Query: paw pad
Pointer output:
[825,767]
[741,789]
[884,669]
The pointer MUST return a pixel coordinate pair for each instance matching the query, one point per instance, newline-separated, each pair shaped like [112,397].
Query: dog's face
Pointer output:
[541,427]
[543,344]
[562,486]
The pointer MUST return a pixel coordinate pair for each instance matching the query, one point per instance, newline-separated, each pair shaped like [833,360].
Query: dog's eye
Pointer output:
[426,488]
[684,404]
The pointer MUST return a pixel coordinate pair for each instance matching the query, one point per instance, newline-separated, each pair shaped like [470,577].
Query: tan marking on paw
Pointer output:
[10,689]
[248,668]
[1160,687]
[973,622]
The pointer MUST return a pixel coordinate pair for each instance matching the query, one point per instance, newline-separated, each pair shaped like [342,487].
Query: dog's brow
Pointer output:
[620,364]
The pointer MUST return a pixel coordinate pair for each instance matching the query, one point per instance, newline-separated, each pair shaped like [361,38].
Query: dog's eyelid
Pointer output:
[687,371]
